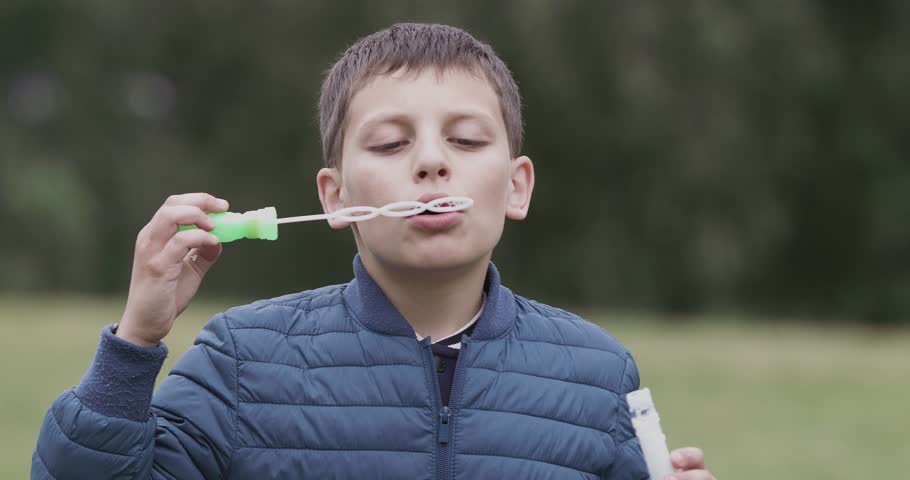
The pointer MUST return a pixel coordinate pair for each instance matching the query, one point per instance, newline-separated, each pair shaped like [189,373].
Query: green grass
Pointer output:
[764,401]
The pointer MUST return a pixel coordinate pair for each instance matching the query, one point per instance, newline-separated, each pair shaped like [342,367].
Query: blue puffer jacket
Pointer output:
[332,383]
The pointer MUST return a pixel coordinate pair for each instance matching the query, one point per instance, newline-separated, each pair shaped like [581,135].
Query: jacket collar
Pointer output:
[369,304]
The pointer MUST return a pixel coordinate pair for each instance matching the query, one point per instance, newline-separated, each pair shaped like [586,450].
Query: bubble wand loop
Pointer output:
[263,224]
[397,209]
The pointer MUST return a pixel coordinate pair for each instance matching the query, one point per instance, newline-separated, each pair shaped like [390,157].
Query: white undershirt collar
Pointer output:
[483,303]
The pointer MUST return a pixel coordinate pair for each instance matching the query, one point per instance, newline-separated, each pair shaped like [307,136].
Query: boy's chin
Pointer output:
[434,260]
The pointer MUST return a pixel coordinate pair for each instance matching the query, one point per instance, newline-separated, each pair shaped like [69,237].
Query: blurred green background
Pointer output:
[735,174]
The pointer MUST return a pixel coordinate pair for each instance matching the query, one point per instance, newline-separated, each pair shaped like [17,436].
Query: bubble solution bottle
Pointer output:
[647,428]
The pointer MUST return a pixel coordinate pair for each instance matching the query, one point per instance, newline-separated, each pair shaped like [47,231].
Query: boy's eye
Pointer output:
[467,143]
[389,146]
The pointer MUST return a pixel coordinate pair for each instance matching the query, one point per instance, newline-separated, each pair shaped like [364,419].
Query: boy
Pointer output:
[350,381]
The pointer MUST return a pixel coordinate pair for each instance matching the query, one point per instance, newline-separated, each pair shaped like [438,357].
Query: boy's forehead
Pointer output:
[401,94]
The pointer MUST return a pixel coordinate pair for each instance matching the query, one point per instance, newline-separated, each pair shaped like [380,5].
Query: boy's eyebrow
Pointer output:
[396,118]
[486,121]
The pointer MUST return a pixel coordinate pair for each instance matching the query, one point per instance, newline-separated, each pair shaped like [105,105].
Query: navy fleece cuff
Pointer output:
[121,379]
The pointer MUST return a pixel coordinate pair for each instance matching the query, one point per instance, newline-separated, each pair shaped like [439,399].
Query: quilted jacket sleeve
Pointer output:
[111,427]
[629,463]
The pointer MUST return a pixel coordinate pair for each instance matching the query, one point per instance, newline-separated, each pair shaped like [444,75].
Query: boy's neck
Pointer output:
[434,302]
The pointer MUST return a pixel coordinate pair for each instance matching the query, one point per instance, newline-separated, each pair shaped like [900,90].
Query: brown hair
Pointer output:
[412,46]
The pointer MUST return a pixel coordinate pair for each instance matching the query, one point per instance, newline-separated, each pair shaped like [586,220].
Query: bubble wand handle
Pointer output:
[254,224]
[651,437]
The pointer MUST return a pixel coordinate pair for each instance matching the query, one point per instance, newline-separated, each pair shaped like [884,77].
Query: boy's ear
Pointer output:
[331,194]
[522,186]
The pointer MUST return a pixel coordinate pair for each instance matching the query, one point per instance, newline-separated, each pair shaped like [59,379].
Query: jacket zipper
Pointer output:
[445,415]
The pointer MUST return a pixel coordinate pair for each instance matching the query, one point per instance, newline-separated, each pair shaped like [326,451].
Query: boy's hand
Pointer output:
[691,463]
[169,265]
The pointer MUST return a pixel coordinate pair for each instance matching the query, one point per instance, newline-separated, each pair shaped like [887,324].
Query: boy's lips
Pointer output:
[436,222]
[431,221]
[429,197]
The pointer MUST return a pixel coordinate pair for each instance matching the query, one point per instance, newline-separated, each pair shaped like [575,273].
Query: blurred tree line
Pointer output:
[695,155]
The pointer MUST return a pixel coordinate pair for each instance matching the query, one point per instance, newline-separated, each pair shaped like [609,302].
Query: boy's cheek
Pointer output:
[366,188]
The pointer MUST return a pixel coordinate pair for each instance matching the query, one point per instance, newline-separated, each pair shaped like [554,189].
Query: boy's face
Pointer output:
[409,135]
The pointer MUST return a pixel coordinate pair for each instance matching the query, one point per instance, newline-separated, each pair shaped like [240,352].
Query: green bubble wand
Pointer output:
[262,224]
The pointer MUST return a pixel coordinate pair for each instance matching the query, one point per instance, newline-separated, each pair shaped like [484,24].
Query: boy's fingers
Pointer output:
[207,202]
[688,458]
[180,245]
[164,224]
[185,215]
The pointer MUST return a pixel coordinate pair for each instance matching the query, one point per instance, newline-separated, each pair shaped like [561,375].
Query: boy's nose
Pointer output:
[432,162]
[442,172]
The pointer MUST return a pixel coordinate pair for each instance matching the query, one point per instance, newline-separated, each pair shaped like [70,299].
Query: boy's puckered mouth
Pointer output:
[434,221]
[429,197]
